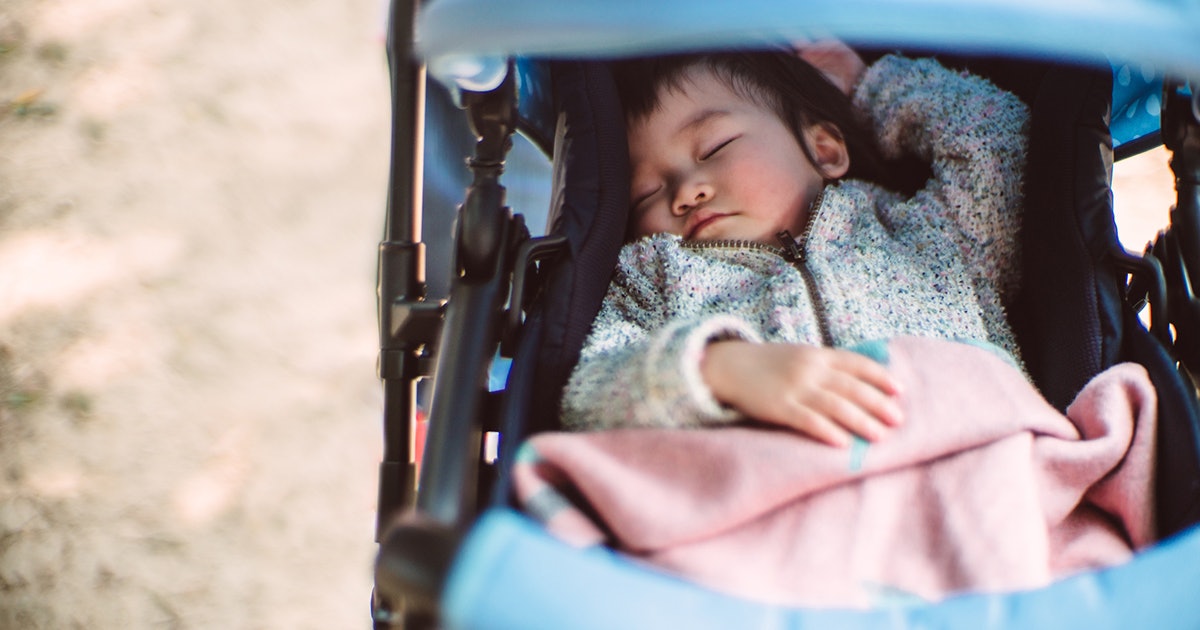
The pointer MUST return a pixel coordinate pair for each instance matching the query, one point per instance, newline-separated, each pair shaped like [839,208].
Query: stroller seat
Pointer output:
[464,558]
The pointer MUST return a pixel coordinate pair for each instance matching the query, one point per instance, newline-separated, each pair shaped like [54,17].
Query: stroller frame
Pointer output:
[456,338]
[496,265]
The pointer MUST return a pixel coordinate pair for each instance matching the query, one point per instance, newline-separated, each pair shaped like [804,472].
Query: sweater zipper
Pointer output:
[736,244]
[795,253]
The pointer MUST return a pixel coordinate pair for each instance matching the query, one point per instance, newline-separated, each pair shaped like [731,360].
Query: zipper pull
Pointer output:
[791,250]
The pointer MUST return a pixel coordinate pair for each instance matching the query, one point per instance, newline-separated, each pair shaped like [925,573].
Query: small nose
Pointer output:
[690,196]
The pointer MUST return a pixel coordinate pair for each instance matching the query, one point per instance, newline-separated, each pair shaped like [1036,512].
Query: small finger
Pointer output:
[874,401]
[821,428]
[852,416]
[871,371]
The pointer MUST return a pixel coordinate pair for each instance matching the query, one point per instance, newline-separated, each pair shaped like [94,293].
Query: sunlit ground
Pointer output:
[191,198]
[1143,194]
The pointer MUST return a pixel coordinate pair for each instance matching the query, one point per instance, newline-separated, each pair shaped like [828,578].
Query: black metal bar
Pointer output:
[452,448]
[1181,135]
[471,334]
[1148,284]
[408,580]
[401,271]
[1138,146]
[528,254]
[408,118]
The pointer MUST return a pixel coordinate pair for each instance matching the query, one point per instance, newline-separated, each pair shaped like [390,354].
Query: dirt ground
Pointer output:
[191,195]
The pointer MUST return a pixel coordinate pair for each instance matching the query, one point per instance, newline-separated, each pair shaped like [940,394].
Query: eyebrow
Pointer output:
[700,119]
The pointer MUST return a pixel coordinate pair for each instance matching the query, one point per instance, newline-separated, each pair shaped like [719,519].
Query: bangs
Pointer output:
[642,82]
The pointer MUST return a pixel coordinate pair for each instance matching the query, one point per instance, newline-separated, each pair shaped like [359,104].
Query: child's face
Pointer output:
[711,165]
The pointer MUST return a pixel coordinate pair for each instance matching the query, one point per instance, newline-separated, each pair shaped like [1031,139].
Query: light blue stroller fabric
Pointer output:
[457,37]
[510,574]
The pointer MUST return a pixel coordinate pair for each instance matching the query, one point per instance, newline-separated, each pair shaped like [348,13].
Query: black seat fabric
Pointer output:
[1069,314]
[589,204]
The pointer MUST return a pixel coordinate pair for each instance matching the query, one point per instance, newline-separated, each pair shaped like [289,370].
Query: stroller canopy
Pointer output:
[1164,34]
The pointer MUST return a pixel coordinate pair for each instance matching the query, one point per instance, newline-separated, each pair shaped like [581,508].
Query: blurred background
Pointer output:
[191,197]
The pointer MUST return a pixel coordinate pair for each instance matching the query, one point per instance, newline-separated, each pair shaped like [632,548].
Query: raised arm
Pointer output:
[973,135]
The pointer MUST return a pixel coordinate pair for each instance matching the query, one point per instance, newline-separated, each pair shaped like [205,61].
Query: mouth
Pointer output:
[695,229]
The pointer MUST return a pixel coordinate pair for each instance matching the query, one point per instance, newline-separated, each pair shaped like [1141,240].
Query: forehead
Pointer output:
[696,85]
[696,97]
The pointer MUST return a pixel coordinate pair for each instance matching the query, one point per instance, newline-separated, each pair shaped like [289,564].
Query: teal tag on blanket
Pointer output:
[877,350]
[858,452]
[885,596]
[545,504]
[526,454]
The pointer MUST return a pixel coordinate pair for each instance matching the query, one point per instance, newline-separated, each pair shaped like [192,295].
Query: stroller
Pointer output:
[461,556]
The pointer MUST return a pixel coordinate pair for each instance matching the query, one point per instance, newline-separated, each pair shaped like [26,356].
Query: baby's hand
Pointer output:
[824,393]
[837,61]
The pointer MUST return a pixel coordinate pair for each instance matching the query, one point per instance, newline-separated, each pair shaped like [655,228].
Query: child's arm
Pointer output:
[706,372]
[643,366]
[974,136]
[640,366]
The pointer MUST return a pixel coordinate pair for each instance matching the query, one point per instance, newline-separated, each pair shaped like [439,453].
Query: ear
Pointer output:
[829,150]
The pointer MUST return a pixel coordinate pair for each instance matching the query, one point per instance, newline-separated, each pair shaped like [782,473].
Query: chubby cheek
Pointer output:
[652,222]
[777,194]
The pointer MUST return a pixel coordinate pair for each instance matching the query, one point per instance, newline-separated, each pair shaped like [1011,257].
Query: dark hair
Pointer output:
[779,80]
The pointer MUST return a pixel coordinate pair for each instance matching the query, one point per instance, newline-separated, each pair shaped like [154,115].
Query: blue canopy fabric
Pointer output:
[467,43]
[454,35]
[1136,104]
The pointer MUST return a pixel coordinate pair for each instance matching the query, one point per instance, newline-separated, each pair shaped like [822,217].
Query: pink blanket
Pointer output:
[985,488]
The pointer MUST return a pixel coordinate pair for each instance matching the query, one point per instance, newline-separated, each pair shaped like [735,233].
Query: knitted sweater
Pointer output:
[872,264]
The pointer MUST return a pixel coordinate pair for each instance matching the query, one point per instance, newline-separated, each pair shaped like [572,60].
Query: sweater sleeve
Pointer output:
[974,137]
[639,367]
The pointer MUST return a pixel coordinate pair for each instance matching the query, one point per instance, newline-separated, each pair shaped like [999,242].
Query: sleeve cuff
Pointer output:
[687,343]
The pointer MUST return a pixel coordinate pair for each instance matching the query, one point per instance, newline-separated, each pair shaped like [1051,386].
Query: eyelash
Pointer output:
[640,205]
[717,149]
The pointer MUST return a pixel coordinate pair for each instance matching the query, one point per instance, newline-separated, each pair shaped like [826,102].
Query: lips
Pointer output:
[700,224]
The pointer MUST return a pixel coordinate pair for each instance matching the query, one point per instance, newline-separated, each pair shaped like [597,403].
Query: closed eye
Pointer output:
[641,199]
[717,149]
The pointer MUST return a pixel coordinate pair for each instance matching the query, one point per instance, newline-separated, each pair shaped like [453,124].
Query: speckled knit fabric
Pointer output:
[874,264]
